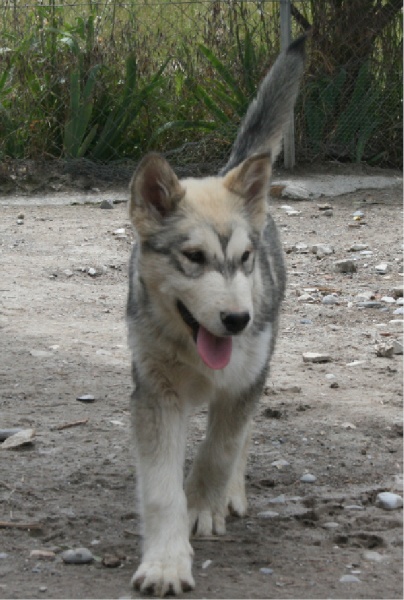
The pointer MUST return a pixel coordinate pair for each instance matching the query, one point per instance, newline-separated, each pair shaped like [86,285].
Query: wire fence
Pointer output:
[105,81]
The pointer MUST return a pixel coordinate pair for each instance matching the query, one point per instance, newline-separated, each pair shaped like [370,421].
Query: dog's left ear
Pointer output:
[155,189]
[251,181]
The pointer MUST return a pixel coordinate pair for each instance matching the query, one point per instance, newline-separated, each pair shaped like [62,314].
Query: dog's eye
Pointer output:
[195,256]
[245,256]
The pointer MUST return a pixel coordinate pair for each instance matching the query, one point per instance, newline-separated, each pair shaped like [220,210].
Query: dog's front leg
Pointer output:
[216,482]
[160,436]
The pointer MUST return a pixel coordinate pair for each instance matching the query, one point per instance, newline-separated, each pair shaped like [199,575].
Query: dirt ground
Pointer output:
[62,335]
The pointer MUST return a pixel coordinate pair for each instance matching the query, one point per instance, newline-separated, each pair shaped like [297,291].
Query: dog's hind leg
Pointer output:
[217,477]
[160,436]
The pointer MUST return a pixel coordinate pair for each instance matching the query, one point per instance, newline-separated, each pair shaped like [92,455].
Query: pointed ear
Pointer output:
[251,181]
[155,189]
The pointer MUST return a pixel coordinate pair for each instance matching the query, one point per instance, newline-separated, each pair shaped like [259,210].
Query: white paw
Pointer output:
[205,522]
[162,577]
[237,500]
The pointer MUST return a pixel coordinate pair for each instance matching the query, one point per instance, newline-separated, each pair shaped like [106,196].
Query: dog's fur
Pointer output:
[206,281]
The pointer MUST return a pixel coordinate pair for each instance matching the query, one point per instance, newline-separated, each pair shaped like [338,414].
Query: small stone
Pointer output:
[40,353]
[330,376]
[111,562]
[92,272]
[266,571]
[20,216]
[399,311]
[20,221]
[349,579]
[308,478]
[3,555]
[324,207]
[107,204]
[347,425]
[397,347]
[358,213]
[306,322]
[322,250]
[43,588]
[358,247]
[23,437]
[330,299]
[328,212]
[346,265]
[316,357]
[300,248]
[306,298]
[78,556]
[373,556]
[389,501]
[87,398]
[334,385]
[354,507]
[356,363]
[278,499]
[369,304]
[68,272]
[366,253]
[398,291]
[42,555]
[382,268]
[268,514]
[206,564]
[330,525]
[280,464]
[388,300]
[384,349]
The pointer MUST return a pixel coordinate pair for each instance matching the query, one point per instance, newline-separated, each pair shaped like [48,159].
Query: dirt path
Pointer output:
[63,335]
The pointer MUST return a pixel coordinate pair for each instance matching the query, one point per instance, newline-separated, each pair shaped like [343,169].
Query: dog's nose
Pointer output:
[235,322]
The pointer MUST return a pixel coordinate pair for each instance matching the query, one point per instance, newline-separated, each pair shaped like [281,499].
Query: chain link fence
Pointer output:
[102,82]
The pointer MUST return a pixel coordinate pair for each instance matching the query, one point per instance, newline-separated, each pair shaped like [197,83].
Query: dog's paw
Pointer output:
[205,522]
[236,500]
[164,577]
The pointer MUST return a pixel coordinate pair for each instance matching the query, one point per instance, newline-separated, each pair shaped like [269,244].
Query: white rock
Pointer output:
[330,525]
[349,579]
[373,556]
[278,500]
[206,564]
[389,501]
[356,363]
[399,311]
[348,425]
[397,347]
[266,571]
[280,464]
[388,299]
[21,438]
[358,247]
[330,299]
[382,268]
[308,478]
[92,272]
[316,357]
[268,514]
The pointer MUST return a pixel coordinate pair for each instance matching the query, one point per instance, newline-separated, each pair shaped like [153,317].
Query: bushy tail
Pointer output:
[266,117]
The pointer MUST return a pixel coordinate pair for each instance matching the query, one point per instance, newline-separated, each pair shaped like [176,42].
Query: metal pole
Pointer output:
[289,158]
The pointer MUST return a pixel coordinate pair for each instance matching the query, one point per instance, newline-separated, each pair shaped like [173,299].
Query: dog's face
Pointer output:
[198,245]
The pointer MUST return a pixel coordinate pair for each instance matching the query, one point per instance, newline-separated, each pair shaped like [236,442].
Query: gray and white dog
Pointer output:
[206,281]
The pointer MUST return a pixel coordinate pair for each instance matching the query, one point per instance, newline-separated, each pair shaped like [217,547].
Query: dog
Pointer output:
[206,281]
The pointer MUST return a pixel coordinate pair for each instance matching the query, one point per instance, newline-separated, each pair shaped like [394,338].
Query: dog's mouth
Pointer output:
[214,350]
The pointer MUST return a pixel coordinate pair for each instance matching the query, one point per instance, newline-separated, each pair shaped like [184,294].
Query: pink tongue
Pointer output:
[214,351]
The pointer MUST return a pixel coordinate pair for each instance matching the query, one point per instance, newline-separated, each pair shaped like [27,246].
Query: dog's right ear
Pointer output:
[155,190]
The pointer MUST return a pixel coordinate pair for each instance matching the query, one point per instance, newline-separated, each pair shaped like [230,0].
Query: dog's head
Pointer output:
[198,245]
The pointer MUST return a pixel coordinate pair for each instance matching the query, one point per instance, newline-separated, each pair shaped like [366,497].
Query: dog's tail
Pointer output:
[265,120]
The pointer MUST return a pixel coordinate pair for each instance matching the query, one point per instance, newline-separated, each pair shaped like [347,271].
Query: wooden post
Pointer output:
[289,158]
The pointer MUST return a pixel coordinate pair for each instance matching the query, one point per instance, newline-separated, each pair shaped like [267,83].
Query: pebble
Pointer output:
[25,436]
[316,357]
[92,272]
[107,204]
[42,554]
[348,425]
[330,299]
[384,349]
[398,291]
[68,272]
[330,525]
[328,212]
[306,322]
[43,588]
[382,268]
[266,571]
[268,514]
[206,563]
[354,507]
[278,499]
[322,250]
[358,213]
[372,555]
[20,216]
[389,501]
[3,555]
[6,433]
[111,562]
[356,363]
[397,347]
[306,298]
[300,248]
[369,304]
[388,299]
[358,247]
[20,221]
[86,398]
[308,478]
[280,464]
[78,556]
[349,579]
[399,311]
[346,265]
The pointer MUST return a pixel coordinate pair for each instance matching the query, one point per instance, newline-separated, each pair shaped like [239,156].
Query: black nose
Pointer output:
[235,322]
